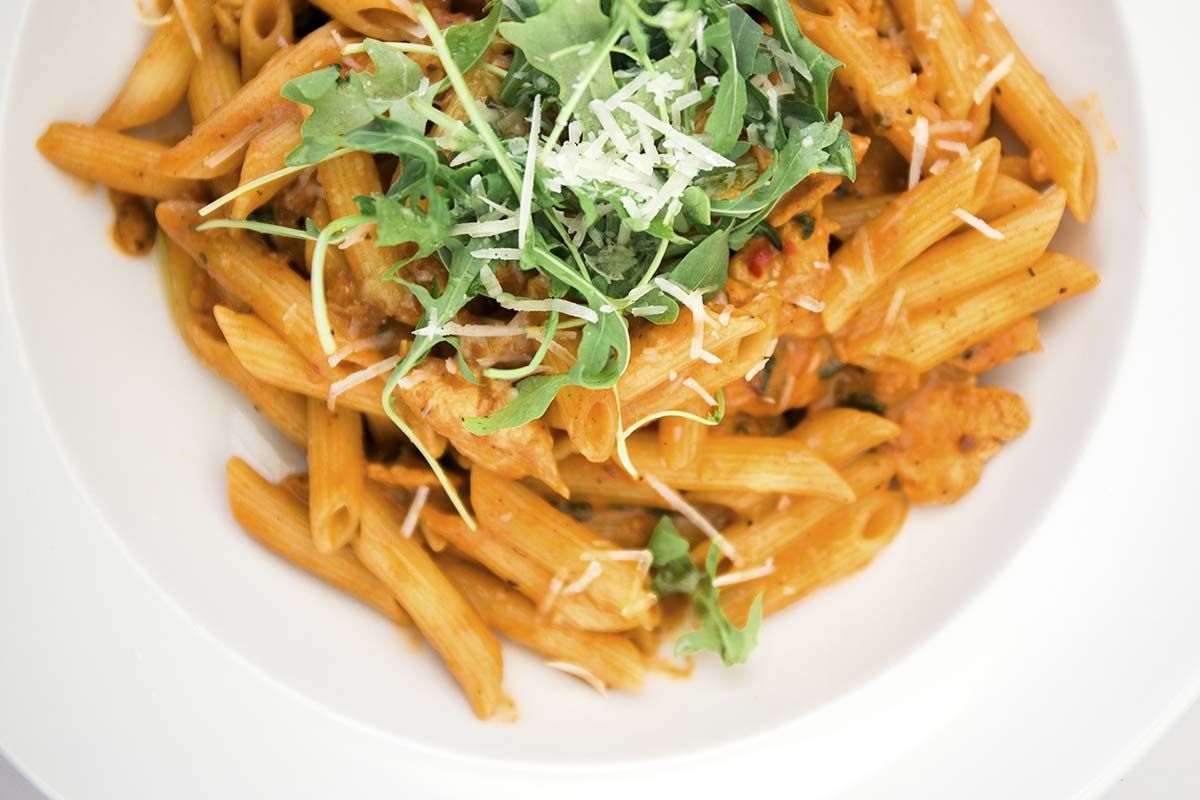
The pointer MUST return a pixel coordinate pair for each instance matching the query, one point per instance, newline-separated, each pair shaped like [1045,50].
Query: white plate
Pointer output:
[1020,642]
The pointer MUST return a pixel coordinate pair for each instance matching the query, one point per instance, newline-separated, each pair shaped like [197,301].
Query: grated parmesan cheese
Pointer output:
[583,581]
[695,386]
[361,376]
[997,74]
[693,301]
[556,587]
[951,146]
[414,512]
[525,207]
[893,309]
[978,224]
[690,513]
[757,368]
[579,672]
[731,578]
[920,134]
[358,345]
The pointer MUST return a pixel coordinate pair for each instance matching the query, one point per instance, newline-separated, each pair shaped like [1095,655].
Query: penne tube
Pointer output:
[256,275]
[438,609]
[1036,114]
[767,533]
[590,418]
[610,658]
[839,547]
[270,359]
[966,261]
[747,463]
[680,439]
[265,154]
[1007,195]
[559,543]
[945,48]
[343,179]
[379,19]
[945,331]
[286,410]
[875,72]
[917,219]
[158,81]
[214,80]
[658,350]
[494,551]
[279,521]
[266,27]
[336,467]
[113,159]
[851,213]
[838,435]
[408,474]
[213,147]
[606,484]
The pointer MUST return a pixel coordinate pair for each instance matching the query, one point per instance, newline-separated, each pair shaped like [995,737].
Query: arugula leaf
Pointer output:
[736,39]
[821,65]
[567,42]
[706,266]
[675,573]
[344,104]
[469,41]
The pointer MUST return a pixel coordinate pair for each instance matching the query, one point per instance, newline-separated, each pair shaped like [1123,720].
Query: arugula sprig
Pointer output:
[676,573]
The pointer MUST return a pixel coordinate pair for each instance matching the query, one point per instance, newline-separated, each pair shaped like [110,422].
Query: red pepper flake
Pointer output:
[762,256]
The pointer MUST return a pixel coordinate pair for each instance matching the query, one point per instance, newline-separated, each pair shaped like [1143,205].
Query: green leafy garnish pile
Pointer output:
[675,573]
[631,145]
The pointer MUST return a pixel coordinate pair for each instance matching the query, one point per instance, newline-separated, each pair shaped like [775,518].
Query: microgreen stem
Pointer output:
[474,112]
[257,227]
[317,278]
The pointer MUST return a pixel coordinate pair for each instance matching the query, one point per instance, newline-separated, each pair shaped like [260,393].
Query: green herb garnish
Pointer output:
[615,161]
[676,573]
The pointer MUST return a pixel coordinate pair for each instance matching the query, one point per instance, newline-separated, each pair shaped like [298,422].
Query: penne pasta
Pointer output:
[279,521]
[266,153]
[158,81]
[966,261]
[837,548]
[336,479]
[113,159]
[271,360]
[267,26]
[945,49]
[1036,114]
[381,19]
[748,463]
[345,178]
[438,609]
[214,145]
[943,332]
[918,218]
[499,555]
[610,658]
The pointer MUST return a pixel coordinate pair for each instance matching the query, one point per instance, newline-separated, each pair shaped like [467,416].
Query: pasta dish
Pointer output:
[607,326]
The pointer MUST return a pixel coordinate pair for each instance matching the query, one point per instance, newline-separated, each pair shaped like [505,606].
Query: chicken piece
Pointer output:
[444,400]
[948,432]
[1019,338]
